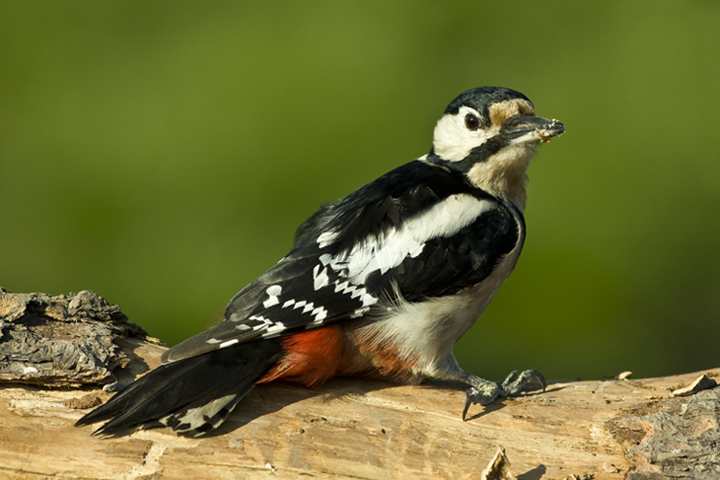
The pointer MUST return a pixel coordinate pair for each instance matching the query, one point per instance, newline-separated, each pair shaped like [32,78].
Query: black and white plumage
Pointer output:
[381,283]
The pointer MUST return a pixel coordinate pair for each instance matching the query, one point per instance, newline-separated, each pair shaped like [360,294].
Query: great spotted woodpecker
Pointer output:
[380,284]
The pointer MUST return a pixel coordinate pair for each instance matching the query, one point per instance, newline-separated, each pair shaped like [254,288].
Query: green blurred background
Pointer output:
[163,153]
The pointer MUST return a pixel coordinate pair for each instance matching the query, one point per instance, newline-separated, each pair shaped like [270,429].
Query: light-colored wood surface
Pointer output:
[357,429]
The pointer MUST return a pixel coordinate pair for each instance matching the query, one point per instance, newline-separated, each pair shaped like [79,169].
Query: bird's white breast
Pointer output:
[423,333]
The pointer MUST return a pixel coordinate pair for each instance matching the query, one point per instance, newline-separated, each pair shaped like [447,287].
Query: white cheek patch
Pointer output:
[453,141]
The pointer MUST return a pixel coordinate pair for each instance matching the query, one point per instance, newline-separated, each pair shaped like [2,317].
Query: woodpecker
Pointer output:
[381,284]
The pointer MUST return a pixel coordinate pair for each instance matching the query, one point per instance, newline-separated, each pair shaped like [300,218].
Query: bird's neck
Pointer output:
[504,174]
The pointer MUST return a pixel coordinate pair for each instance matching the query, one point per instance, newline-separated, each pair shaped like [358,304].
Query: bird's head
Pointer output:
[490,134]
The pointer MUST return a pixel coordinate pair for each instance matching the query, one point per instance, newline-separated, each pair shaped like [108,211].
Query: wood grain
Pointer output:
[356,429]
[347,429]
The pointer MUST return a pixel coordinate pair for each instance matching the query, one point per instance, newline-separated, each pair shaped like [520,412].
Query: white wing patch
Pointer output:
[273,292]
[229,343]
[274,329]
[376,253]
[326,238]
[355,292]
[320,277]
[320,314]
[388,250]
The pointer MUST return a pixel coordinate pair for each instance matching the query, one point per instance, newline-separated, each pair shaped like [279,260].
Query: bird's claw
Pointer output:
[513,384]
[470,399]
[487,392]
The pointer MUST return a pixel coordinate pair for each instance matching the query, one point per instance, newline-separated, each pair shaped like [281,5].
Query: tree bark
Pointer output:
[359,429]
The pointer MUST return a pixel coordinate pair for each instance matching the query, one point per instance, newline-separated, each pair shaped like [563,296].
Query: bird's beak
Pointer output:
[522,129]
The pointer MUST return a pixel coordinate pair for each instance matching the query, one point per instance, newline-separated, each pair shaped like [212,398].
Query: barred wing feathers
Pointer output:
[419,231]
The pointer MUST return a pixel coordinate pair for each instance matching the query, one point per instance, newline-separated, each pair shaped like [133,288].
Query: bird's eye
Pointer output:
[472,122]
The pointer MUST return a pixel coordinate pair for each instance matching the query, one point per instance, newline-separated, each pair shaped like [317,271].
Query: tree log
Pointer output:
[359,429]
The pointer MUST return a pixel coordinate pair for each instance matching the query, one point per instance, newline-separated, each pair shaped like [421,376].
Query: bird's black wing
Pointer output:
[419,231]
[450,264]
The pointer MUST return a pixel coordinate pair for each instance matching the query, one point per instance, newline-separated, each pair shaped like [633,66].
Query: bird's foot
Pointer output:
[483,391]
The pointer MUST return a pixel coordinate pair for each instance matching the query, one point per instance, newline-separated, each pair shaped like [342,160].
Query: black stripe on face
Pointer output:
[478,154]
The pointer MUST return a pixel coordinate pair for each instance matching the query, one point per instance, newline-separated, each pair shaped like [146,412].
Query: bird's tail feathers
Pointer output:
[192,396]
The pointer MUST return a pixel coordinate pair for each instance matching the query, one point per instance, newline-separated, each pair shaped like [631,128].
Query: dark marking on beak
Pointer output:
[545,128]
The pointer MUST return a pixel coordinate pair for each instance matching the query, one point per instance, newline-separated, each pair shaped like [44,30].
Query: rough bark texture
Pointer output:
[63,341]
[357,429]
